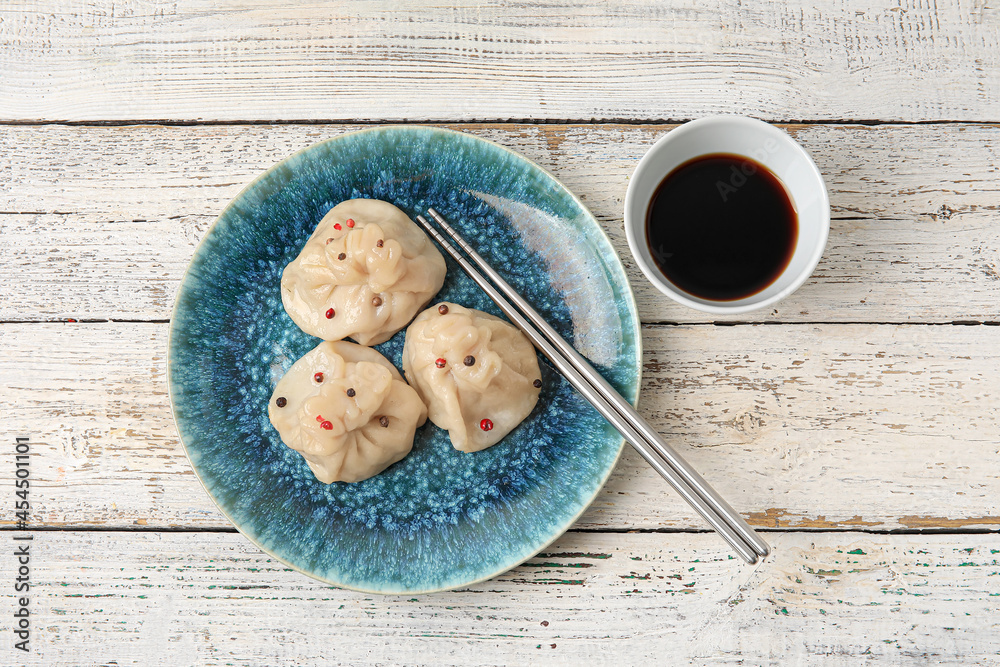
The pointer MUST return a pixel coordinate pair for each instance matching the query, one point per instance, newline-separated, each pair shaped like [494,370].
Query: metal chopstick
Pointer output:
[608,402]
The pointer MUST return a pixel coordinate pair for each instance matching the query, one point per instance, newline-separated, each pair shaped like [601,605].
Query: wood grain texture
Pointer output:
[831,599]
[101,222]
[878,427]
[855,414]
[267,60]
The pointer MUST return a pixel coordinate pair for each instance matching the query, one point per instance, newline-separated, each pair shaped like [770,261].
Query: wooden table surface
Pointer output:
[856,423]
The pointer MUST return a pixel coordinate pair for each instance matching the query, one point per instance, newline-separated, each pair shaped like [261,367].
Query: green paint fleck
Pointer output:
[900,591]
[857,552]
[784,610]
[823,611]
[690,569]
[965,564]
[575,554]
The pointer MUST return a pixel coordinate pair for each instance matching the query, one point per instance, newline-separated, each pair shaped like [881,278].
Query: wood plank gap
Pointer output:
[168,122]
[812,323]
[120,529]
[802,529]
[609,531]
[84,320]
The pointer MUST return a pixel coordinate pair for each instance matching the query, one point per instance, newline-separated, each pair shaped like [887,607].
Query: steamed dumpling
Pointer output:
[347,410]
[477,374]
[363,274]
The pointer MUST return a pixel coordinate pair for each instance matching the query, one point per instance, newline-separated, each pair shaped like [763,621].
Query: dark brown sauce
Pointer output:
[721,227]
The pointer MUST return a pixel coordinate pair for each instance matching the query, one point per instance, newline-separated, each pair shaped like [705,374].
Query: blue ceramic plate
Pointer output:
[440,518]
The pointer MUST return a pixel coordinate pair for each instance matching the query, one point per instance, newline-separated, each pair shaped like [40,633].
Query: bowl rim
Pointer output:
[635,231]
[625,288]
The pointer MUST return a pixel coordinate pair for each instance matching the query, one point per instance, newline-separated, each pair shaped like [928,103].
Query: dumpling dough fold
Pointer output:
[347,410]
[363,274]
[477,374]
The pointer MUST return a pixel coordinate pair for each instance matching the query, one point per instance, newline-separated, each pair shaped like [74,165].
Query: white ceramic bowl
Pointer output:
[751,138]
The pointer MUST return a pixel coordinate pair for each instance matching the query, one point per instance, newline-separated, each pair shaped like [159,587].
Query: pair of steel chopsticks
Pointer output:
[578,371]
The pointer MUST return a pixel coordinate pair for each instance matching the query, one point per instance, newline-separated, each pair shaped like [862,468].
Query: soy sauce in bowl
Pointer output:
[721,227]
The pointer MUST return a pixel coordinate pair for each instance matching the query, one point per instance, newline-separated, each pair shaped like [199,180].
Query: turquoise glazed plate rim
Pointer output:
[439,519]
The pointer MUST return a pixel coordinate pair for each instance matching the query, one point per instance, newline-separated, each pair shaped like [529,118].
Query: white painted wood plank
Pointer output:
[101,222]
[269,60]
[214,599]
[805,426]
